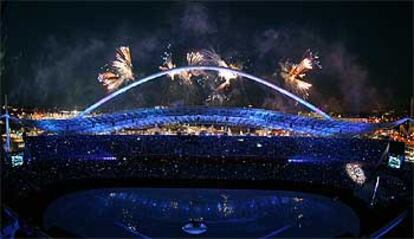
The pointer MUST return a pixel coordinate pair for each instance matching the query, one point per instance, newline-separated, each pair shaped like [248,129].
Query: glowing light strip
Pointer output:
[384,230]
[276,232]
[399,122]
[375,191]
[206,68]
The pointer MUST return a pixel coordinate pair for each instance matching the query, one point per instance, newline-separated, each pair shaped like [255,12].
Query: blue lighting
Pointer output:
[195,228]
[245,117]
[189,212]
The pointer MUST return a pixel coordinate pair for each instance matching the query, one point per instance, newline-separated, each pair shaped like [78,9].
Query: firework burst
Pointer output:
[168,62]
[224,78]
[119,71]
[294,74]
[210,57]
[227,76]
[219,83]
[193,58]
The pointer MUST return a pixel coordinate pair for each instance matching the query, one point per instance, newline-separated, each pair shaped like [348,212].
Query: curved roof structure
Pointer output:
[204,68]
[241,117]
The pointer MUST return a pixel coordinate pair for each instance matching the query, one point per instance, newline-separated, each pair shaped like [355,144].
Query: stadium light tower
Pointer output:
[7,117]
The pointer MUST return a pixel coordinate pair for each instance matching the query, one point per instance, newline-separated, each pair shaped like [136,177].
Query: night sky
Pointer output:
[54,51]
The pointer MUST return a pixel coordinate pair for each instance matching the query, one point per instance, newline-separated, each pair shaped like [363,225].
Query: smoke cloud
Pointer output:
[64,72]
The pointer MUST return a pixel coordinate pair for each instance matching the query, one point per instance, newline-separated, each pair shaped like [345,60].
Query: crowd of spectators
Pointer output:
[272,147]
[51,159]
[275,160]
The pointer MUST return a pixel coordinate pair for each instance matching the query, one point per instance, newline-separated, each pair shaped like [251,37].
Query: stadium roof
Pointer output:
[241,117]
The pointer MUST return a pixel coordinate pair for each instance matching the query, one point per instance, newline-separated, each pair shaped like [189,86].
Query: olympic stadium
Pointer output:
[98,175]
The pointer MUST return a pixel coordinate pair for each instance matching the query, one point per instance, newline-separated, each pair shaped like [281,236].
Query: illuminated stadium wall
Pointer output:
[240,117]
[245,117]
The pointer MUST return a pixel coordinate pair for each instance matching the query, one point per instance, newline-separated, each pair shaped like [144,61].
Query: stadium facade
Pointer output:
[240,117]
